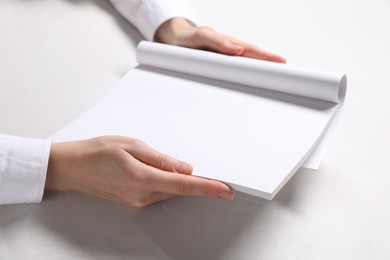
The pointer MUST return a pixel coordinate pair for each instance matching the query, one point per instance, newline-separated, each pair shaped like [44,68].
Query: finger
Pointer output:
[149,156]
[229,47]
[252,51]
[211,40]
[179,184]
[222,45]
[207,38]
[257,53]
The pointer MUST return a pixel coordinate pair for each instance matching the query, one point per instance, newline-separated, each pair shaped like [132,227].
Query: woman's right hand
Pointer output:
[125,171]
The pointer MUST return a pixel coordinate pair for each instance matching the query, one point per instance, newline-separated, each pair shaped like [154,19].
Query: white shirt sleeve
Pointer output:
[23,167]
[24,161]
[148,15]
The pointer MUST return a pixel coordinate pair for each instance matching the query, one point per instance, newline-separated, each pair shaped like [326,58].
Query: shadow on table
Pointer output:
[178,228]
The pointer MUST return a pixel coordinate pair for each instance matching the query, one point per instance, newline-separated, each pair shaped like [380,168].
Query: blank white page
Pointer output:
[249,138]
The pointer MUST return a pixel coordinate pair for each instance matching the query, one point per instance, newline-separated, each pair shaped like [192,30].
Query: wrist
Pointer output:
[59,172]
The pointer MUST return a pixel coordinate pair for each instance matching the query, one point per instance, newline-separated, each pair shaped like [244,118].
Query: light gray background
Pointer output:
[59,57]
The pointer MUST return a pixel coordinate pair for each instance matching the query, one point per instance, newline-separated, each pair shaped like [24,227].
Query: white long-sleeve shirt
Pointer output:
[24,161]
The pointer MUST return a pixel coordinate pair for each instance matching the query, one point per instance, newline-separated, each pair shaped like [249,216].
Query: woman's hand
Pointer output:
[125,171]
[179,31]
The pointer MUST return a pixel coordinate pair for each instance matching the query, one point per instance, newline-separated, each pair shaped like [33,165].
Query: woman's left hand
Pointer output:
[179,31]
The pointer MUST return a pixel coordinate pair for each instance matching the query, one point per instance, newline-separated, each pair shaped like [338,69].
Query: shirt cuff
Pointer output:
[23,168]
[148,15]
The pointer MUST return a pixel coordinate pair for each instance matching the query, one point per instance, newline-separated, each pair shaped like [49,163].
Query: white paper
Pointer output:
[249,137]
[304,82]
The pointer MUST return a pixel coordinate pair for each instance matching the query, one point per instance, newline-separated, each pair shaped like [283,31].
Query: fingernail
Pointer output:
[183,167]
[226,195]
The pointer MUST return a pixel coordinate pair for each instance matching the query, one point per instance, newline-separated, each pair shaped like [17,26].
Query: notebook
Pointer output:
[248,123]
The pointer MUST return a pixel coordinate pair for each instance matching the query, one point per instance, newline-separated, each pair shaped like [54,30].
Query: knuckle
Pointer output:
[208,189]
[135,142]
[133,202]
[204,30]
[226,43]
[139,204]
[162,161]
[184,187]
[202,33]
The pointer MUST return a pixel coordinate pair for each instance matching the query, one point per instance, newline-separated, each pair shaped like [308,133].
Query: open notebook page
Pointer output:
[249,137]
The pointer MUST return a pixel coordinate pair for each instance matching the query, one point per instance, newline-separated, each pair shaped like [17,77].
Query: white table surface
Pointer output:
[60,57]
